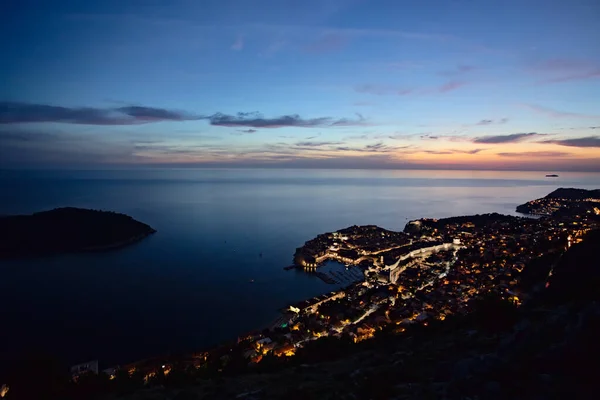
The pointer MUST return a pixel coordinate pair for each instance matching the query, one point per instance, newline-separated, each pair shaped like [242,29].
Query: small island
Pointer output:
[68,230]
[551,176]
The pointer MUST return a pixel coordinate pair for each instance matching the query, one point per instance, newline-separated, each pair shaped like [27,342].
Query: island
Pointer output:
[564,202]
[68,230]
[551,176]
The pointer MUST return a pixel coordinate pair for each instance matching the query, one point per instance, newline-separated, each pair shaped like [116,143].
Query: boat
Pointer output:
[551,176]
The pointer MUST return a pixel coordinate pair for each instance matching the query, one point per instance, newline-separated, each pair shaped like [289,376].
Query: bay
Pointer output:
[201,279]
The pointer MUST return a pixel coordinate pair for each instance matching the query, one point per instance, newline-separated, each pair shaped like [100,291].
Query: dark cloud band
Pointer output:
[15,113]
[515,137]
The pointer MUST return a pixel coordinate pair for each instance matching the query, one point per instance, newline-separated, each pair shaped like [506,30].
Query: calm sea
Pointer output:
[189,286]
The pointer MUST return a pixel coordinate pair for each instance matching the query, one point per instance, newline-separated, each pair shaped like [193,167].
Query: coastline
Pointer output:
[116,245]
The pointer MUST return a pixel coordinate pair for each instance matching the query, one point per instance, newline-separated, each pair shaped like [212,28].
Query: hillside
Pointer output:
[565,202]
[541,350]
[574,194]
[65,230]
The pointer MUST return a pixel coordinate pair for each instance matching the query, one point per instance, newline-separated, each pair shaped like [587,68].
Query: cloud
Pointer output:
[565,70]
[459,70]
[240,132]
[453,151]
[378,147]
[450,86]
[256,120]
[561,65]
[274,47]
[491,121]
[316,144]
[152,114]
[360,121]
[16,112]
[536,154]
[362,103]
[402,65]
[557,114]
[440,152]
[589,141]
[238,44]
[327,43]
[573,77]
[473,151]
[379,90]
[515,137]
[357,137]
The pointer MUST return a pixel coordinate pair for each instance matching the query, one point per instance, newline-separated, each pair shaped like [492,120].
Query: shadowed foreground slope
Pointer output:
[545,349]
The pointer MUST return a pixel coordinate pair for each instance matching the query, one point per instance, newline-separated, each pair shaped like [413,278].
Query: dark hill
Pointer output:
[65,230]
[574,194]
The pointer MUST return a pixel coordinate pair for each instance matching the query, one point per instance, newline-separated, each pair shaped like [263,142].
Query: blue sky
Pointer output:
[330,83]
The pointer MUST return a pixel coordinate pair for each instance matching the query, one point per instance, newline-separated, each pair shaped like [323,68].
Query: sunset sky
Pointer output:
[458,84]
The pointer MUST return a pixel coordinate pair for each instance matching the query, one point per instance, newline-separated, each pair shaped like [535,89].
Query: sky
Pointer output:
[427,84]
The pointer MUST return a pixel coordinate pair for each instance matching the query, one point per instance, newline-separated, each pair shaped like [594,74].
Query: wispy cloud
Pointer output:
[450,86]
[378,147]
[558,114]
[458,71]
[526,154]
[15,112]
[357,137]
[381,90]
[473,151]
[274,47]
[244,132]
[327,43]
[593,74]
[484,122]
[238,44]
[515,137]
[256,120]
[453,151]
[316,144]
[565,70]
[589,141]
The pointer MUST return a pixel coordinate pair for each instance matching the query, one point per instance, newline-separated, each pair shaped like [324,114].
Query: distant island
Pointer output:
[68,230]
[564,202]
[551,176]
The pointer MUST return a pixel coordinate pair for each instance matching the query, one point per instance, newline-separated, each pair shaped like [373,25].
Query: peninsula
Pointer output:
[67,230]
[564,202]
